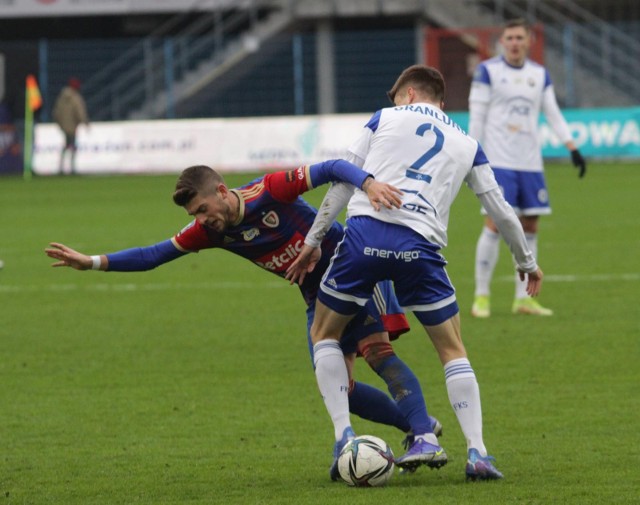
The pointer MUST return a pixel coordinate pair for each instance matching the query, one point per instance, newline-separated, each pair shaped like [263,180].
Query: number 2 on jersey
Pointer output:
[414,171]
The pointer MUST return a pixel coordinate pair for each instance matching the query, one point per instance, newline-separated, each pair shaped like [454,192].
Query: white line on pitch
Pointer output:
[216,285]
[581,278]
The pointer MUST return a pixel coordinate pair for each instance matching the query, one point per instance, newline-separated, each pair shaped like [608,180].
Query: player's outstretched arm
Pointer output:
[137,259]
[67,257]
[343,171]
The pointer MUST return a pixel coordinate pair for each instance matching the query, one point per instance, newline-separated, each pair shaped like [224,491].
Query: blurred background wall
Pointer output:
[176,59]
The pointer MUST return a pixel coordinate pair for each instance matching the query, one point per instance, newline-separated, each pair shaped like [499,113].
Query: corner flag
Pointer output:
[34,99]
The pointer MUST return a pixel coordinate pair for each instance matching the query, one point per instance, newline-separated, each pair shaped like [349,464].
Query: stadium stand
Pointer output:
[284,57]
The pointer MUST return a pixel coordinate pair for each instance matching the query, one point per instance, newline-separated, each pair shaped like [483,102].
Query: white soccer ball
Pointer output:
[366,461]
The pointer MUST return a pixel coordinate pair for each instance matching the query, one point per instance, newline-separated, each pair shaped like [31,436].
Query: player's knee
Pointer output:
[318,335]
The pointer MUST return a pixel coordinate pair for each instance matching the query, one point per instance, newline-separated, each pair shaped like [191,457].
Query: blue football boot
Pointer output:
[481,467]
[422,452]
[347,435]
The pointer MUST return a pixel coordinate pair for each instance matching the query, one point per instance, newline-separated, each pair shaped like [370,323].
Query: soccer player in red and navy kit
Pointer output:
[266,222]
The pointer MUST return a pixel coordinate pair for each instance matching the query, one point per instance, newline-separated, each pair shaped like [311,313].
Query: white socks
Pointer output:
[464,395]
[333,382]
[487,252]
[521,286]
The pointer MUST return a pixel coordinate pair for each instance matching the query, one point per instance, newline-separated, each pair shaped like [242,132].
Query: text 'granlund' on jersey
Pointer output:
[427,111]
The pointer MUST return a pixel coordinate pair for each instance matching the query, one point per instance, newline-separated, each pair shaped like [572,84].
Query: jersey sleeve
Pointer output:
[337,171]
[334,201]
[481,178]
[194,237]
[287,186]
[480,85]
[477,119]
[360,147]
[554,115]
[547,79]
[356,160]
[140,259]
[479,98]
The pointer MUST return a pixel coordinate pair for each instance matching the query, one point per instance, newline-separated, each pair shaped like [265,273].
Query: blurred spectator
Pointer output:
[69,112]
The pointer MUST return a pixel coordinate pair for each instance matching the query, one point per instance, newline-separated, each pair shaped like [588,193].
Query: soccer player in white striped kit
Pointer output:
[420,150]
[507,94]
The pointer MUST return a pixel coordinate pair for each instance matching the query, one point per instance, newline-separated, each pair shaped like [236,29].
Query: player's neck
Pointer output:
[422,99]
[234,206]
[515,62]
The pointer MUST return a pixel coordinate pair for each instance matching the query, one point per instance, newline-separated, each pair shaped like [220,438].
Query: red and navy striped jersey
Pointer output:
[271,228]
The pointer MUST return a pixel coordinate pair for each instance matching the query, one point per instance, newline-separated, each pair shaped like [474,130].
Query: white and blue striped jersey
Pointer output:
[421,151]
[505,104]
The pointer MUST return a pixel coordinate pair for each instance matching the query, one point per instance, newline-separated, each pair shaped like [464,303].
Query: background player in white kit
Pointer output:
[417,148]
[507,94]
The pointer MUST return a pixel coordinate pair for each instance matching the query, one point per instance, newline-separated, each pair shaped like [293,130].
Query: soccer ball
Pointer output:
[366,461]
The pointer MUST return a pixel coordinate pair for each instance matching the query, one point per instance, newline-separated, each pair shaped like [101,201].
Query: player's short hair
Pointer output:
[426,80]
[517,23]
[198,179]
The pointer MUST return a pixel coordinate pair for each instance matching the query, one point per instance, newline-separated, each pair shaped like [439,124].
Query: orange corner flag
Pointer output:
[34,99]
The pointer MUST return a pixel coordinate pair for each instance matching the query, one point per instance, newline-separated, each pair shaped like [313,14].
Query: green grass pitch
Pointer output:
[191,384]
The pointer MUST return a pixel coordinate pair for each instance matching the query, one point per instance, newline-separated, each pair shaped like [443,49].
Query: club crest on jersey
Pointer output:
[250,234]
[271,219]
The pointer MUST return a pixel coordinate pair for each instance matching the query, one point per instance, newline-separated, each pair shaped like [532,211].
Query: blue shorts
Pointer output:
[381,312]
[526,192]
[372,251]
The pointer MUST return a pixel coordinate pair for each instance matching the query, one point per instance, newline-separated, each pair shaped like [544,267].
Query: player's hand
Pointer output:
[579,162]
[534,281]
[381,193]
[67,257]
[304,264]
